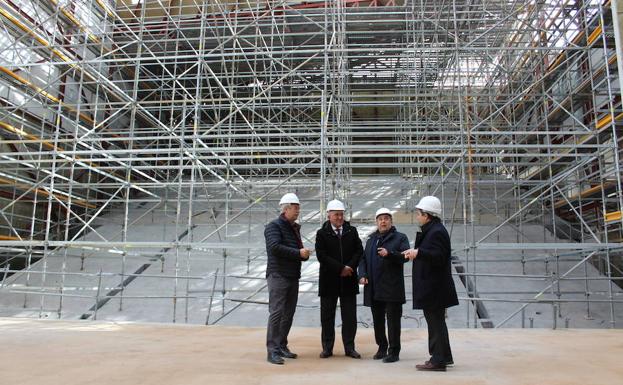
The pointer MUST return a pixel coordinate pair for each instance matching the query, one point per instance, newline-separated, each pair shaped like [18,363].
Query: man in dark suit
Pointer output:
[381,271]
[433,287]
[285,251]
[339,250]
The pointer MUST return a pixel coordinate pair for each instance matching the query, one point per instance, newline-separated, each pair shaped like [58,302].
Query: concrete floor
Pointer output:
[92,352]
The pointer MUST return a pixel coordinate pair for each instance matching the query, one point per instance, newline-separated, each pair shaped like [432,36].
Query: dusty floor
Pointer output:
[72,352]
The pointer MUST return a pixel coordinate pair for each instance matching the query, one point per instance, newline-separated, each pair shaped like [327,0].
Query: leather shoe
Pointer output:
[448,363]
[353,354]
[380,354]
[325,354]
[391,358]
[286,353]
[429,366]
[275,358]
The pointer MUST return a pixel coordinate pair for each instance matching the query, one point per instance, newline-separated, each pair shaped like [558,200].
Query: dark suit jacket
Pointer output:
[433,286]
[333,254]
[391,284]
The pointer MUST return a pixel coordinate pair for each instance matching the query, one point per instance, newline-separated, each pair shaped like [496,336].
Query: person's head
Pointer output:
[290,207]
[383,220]
[422,217]
[427,209]
[335,213]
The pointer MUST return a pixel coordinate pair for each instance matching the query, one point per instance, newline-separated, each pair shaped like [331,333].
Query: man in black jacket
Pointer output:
[285,251]
[433,287]
[381,271]
[339,250]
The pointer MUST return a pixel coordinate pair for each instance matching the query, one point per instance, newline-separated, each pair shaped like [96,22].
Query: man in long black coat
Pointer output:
[339,250]
[381,271]
[433,287]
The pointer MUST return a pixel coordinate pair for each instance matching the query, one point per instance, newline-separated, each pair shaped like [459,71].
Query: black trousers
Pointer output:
[348,311]
[438,340]
[393,312]
[283,294]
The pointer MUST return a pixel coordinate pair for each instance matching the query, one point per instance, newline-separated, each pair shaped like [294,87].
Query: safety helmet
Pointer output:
[382,211]
[335,205]
[430,204]
[289,198]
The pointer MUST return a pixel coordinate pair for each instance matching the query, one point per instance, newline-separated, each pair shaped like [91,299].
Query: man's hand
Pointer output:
[363,281]
[382,252]
[347,271]
[305,253]
[410,254]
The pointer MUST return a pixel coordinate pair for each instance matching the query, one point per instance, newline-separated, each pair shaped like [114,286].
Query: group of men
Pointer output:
[379,267]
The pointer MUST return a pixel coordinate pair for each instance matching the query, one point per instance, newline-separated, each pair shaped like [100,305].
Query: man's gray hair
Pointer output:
[285,206]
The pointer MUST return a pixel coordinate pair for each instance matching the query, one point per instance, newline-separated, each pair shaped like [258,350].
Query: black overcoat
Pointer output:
[334,253]
[433,286]
[391,284]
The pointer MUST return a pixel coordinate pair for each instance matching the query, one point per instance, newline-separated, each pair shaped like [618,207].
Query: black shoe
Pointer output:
[325,354]
[275,358]
[391,358]
[380,354]
[353,354]
[286,353]
[447,363]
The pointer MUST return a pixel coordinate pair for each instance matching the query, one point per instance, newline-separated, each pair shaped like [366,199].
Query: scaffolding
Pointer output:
[510,111]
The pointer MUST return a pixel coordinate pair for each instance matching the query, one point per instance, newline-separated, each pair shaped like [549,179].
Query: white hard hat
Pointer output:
[382,211]
[289,198]
[335,205]
[430,204]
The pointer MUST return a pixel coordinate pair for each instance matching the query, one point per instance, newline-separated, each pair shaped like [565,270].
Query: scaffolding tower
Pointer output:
[508,110]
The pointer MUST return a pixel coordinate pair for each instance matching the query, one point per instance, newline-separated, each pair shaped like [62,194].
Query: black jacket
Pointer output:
[333,254]
[283,244]
[391,285]
[433,286]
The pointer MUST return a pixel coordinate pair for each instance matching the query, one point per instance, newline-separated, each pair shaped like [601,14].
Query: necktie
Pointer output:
[338,232]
